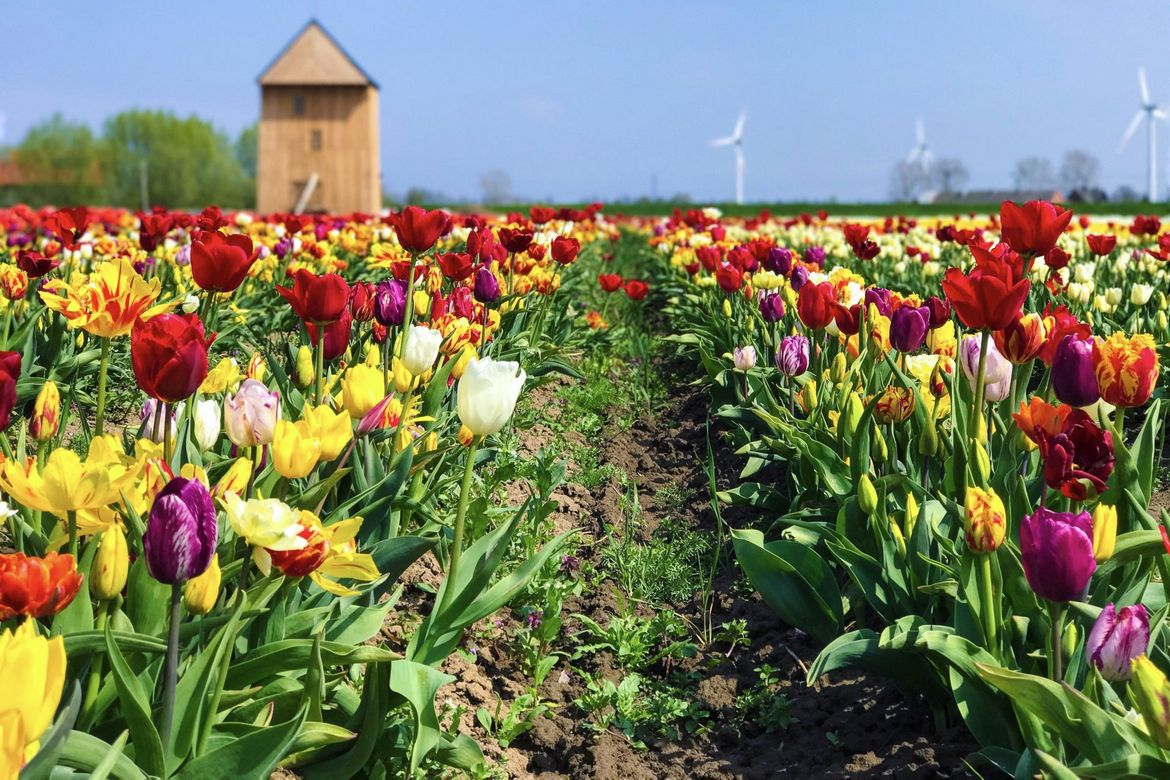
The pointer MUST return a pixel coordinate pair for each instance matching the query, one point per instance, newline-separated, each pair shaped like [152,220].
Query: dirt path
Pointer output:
[849,726]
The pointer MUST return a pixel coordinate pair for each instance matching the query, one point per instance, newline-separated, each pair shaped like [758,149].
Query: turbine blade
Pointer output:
[919,132]
[1144,87]
[739,125]
[1129,131]
[1157,113]
[722,141]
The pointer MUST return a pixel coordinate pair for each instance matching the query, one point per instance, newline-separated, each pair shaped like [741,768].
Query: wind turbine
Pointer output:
[1151,111]
[735,141]
[920,155]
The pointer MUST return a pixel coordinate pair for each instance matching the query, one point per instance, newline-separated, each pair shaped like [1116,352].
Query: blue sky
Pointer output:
[593,99]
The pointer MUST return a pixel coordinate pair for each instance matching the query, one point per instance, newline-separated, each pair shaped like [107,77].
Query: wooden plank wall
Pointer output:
[347,162]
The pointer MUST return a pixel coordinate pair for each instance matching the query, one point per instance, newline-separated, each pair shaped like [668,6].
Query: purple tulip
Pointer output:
[815,255]
[1117,638]
[792,355]
[799,277]
[1073,378]
[879,297]
[997,373]
[772,307]
[487,287]
[283,247]
[1056,549]
[181,532]
[908,327]
[779,260]
[390,302]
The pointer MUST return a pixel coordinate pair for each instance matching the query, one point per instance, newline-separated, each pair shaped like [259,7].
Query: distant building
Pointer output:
[999,196]
[318,137]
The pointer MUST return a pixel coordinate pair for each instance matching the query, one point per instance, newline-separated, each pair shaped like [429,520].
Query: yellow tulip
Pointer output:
[111,565]
[11,744]
[235,479]
[1150,693]
[984,520]
[333,430]
[1104,532]
[404,381]
[466,355]
[222,378]
[306,371]
[108,302]
[66,483]
[295,450]
[361,389]
[46,412]
[202,592]
[33,670]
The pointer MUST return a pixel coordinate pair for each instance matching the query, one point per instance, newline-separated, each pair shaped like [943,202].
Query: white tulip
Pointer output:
[190,304]
[207,423]
[487,394]
[421,349]
[1140,294]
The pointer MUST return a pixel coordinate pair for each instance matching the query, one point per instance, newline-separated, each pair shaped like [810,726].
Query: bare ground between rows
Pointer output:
[878,733]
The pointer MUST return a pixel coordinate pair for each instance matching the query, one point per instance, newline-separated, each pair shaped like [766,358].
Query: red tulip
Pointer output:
[456,266]
[515,239]
[816,304]
[729,278]
[220,263]
[35,264]
[9,373]
[361,301]
[169,355]
[541,214]
[319,300]
[610,282]
[565,249]
[990,296]
[68,225]
[153,228]
[336,335]
[636,289]
[1032,229]
[1101,245]
[418,229]
[1144,225]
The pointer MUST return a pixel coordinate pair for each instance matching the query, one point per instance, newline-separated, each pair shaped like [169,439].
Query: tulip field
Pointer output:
[566,493]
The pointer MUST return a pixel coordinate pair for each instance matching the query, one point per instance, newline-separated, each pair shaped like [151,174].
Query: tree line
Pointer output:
[139,158]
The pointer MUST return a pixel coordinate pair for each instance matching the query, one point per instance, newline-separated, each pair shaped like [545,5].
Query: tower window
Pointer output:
[315,140]
[298,105]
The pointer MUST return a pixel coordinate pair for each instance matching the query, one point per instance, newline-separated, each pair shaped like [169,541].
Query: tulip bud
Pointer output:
[984,520]
[851,416]
[46,412]
[1163,322]
[911,518]
[1118,636]
[899,539]
[465,436]
[110,565]
[403,379]
[1104,532]
[880,452]
[744,358]
[840,368]
[207,423]
[928,443]
[306,372]
[867,497]
[807,397]
[1149,691]
[202,592]
[235,479]
[980,463]
[422,301]
[1070,639]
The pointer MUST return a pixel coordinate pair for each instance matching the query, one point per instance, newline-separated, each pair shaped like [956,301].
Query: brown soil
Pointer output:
[847,725]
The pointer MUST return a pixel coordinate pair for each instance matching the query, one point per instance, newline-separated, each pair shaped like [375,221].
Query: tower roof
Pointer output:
[314,58]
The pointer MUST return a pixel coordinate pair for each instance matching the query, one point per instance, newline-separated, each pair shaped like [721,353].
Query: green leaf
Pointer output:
[251,757]
[375,703]
[88,753]
[134,703]
[419,683]
[290,654]
[793,580]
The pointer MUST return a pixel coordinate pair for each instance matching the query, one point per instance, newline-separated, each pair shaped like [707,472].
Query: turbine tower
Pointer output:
[920,155]
[1151,112]
[735,141]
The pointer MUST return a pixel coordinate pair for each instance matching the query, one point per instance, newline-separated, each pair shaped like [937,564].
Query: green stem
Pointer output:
[1055,659]
[320,364]
[980,374]
[990,621]
[93,685]
[99,424]
[72,519]
[171,674]
[168,444]
[460,522]
[408,314]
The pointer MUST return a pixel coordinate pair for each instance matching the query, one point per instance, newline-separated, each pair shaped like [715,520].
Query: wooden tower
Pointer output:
[318,144]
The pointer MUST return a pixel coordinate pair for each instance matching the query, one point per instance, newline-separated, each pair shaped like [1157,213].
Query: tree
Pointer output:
[950,175]
[1079,171]
[58,163]
[154,157]
[1034,173]
[247,143]
[908,180]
